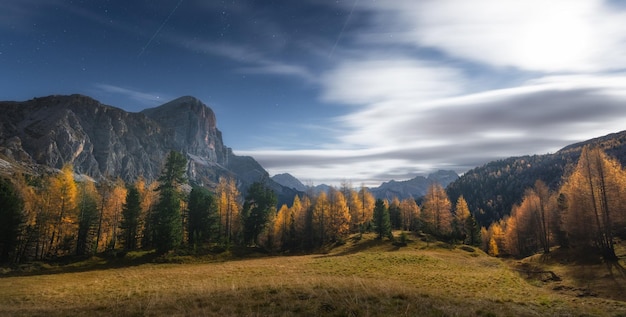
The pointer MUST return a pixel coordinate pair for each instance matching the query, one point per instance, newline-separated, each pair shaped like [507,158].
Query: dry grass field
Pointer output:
[361,278]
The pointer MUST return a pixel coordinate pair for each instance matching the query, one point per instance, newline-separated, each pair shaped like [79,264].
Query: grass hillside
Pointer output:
[364,277]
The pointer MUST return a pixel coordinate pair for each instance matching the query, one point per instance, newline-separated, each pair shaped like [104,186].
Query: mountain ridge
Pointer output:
[103,141]
[492,189]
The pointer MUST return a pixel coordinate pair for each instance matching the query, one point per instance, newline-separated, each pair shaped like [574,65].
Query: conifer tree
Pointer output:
[410,215]
[203,218]
[367,208]
[436,211]
[87,218]
[63,194]
[594,207]
[473,237]
[11,219]
[319,218]
[395,213]
[131,210]
[461,214]
[259,203]
[168,222]
[382,224]
[228,209]
[338,215]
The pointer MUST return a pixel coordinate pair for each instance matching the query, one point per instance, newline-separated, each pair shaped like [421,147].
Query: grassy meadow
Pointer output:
[364,277]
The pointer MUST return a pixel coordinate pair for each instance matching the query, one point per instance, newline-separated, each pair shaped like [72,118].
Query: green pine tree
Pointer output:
[203,221]
[130,218]
[382,224]
[168,227]
[87,219]
[11,219]
[259,203]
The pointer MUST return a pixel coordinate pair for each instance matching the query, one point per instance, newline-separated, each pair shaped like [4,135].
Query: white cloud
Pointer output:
[536,35]
[397,139]
[375,79]
[144,98]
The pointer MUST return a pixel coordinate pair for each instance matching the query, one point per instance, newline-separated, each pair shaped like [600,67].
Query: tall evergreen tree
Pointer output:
[395,214]
[87,218]
[168,226]
[259,203]
[473,231]
[131,210]
[382,223]
[203,219]
[11,219]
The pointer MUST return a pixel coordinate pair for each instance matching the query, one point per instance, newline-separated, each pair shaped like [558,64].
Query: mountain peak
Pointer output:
[185,104]
[289,181]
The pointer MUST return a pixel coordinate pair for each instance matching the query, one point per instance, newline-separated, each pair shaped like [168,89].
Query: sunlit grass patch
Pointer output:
[378,279]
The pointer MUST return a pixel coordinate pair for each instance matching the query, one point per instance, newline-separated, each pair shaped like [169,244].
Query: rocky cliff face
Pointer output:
[103,141]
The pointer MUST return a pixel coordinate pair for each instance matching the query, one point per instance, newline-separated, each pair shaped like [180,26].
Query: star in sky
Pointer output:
[358,90]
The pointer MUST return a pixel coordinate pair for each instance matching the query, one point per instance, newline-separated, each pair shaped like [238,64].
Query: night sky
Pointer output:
[358,90]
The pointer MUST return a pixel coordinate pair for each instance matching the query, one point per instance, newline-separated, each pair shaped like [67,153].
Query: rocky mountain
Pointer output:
[102,141]
[289,181]
[413,188]
[492,189]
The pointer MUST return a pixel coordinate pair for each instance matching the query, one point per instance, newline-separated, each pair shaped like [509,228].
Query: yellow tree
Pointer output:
[436,211]
[543,213]
[355,205]
[299,216]
[283,222]
[149,198]
[410,214]
[367,203]
[321,209]
[461,214]
[110,214]
[520,233]
[304,228]
[62,205]
[594,206]
[338,216]
[228,208]
[496,238]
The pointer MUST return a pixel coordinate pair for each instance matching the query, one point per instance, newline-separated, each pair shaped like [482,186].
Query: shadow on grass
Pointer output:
[75,264]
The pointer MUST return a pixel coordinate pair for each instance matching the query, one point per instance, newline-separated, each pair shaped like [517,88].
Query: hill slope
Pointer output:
[364,277]
[492,189]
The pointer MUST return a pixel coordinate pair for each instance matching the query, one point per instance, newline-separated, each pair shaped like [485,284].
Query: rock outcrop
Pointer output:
[102,141]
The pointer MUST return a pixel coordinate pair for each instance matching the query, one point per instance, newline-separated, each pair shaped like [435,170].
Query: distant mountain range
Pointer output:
[413,188]
[102,141]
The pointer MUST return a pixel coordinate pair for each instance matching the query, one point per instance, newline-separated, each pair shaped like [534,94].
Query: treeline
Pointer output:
[56,215]
[586,213]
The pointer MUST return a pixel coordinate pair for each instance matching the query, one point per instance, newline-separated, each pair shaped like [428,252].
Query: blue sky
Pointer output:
[358,90]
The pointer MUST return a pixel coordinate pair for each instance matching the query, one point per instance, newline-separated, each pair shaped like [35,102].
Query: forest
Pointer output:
[50,216]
